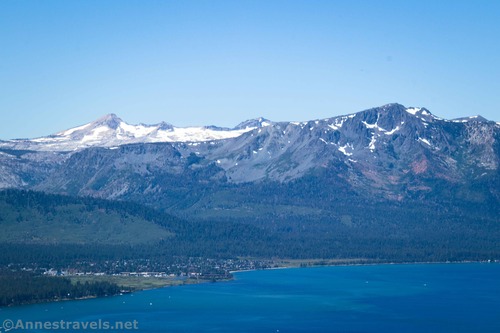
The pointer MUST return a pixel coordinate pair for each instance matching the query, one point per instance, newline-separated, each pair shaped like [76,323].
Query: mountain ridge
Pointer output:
[111,130]
[390,152]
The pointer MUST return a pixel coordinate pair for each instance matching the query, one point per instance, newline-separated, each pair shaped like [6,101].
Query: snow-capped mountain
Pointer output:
[110,131]
[391,152]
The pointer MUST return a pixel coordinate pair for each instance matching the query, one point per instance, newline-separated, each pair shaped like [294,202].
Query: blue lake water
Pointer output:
[378,298]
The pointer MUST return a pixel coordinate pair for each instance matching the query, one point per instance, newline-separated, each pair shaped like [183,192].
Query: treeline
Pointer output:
[25,287]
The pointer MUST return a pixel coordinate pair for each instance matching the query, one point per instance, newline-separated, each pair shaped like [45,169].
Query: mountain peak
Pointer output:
[400,111]
[257,122]
[387,109]
[164,126]
[111,120]
[392,106]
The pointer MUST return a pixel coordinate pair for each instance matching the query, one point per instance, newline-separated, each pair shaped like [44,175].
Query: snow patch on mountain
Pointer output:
[343,149]
[373,140]
[424,141]
[339,122]
[394,130]
[413,111]
[72,130]
[111,131]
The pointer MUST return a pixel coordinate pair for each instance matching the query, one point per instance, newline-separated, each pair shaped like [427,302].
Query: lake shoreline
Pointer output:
[344,264]
[145,283]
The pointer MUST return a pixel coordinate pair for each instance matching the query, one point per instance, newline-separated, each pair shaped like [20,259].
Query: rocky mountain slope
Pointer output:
[389,153]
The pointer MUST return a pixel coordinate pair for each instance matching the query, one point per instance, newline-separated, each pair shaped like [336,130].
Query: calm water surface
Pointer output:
[379,298]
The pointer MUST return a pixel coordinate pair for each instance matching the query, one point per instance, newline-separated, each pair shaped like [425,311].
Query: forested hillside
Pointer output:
[97,229]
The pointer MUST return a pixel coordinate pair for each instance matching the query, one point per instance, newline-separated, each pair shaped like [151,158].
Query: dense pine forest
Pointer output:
[26,287]
[382,231]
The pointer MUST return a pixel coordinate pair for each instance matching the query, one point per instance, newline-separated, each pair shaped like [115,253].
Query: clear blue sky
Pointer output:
[66,63]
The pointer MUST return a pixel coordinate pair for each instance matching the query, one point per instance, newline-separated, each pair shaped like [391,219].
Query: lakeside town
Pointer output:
[180,270]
